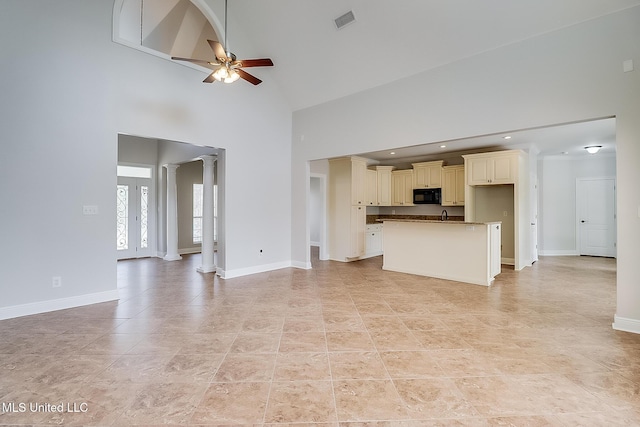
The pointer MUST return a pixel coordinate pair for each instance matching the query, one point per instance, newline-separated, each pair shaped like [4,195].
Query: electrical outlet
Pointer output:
[56,282]
[505,213]
[393,211]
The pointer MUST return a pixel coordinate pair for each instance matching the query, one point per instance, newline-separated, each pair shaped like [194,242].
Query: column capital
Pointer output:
[171,166]
[208,159]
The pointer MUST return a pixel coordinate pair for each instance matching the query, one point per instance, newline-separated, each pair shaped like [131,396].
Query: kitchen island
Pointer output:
[453,250]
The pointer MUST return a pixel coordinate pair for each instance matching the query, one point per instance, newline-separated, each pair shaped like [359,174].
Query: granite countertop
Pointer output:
[437,221]
[376,219]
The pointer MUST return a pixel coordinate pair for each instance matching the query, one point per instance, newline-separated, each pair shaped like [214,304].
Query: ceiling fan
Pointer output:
[226,67]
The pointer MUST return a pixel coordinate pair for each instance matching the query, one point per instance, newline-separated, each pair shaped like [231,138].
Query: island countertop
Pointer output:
[437,221]
[453,250]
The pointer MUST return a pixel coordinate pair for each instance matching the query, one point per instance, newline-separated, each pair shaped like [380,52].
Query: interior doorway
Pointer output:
[318,214]
[596,216]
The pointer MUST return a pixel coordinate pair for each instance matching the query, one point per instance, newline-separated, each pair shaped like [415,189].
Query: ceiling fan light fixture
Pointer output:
[593,149]
[225,74]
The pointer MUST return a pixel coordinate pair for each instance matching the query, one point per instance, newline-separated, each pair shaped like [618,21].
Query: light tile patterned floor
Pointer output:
[338,345]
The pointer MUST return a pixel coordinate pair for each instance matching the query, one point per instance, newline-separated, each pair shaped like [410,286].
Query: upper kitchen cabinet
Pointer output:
[402,187]
[379,186]
[384,185]
[492,168]
[427,174]
[358,181]
[372,188]
[453,185]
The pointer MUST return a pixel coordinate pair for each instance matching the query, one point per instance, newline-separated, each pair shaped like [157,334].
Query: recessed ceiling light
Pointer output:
[393,152]
[593,149]
[507,137]
[443,146]
[565,152]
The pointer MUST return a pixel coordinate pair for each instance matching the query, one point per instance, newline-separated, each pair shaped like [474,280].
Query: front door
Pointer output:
[596,205]
[132,227]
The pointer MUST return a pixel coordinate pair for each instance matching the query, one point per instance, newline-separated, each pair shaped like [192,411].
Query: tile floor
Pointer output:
[338,345]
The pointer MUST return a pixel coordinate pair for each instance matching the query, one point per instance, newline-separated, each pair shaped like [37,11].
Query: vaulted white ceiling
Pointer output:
[390,40]
[315,62]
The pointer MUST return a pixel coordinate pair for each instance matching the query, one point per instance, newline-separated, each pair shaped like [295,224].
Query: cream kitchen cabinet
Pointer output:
[347,215]
[498,189]
[357,235]
[384,185]
[427,174]
[491,168]
[453,185]
[373,240]
[358,181]
[379,186]
[372,188]
[402,187]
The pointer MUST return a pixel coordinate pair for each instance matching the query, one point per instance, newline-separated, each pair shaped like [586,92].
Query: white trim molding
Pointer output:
[568,252]
[302,265]
[57,304]
[626,325]
[230,274]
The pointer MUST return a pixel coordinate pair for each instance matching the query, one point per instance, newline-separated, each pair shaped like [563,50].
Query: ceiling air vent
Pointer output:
[345,19]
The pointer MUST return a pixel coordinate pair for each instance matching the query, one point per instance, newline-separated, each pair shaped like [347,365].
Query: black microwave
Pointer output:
[426,196]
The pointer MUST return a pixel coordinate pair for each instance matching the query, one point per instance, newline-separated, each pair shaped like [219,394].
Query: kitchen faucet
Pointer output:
[444,215]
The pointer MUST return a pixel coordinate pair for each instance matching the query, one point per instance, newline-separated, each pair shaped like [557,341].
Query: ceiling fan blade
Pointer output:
[263,62]
[248,77]
[218,50]
[209,79]
[202,62]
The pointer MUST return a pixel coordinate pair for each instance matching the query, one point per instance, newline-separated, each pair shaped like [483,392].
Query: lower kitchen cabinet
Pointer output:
[373,240]
[357,236]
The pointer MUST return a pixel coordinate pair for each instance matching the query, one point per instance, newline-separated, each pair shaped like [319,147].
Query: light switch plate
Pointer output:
[627,65]
[89,210]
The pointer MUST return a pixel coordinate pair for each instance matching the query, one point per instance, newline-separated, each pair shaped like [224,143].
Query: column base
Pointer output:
[206,269]
[172,257]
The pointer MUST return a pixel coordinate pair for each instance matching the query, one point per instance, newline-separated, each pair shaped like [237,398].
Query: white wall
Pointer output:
[560,77]
[315,211]
[67,91]
[186,175]
[557,215]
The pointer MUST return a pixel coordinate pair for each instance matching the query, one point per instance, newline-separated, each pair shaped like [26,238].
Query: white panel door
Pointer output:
[596,205]
[132,216]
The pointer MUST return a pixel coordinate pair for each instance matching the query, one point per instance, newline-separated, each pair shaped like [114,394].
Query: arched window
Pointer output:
[165,27]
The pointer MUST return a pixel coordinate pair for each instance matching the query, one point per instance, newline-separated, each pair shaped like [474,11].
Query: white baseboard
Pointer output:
[229,274]
[559,253]
[57,304]
[626,325]
[187,251]
[302,265]
[508,261]
[371,255]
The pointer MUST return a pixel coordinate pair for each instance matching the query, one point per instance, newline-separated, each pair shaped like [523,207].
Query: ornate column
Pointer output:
[208,263]
[172,214]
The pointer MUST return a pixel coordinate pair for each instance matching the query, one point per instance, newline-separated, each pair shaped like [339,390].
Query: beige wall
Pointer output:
[187,174]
